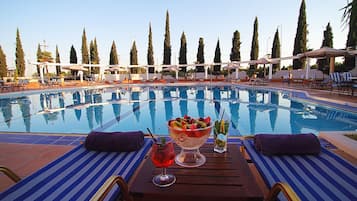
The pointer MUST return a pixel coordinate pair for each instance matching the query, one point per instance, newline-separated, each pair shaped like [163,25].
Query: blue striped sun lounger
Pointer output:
[322,177]
[77,175]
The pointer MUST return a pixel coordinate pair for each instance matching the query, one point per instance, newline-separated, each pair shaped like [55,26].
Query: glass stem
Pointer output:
[163,171]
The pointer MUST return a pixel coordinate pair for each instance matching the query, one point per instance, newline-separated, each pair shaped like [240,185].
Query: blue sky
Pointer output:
[61,23]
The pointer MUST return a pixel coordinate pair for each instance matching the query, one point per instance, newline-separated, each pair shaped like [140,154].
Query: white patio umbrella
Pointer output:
[171,68]
[265,61]
[116,69]
[324,52]
[233,65]
[79,68]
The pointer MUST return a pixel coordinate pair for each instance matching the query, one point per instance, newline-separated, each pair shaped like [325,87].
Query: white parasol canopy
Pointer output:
[323,52]
[174,68]
[79,68]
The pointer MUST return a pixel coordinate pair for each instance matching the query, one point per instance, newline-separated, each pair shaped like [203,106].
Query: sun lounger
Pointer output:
[313,177]
[258,82]
[77,175]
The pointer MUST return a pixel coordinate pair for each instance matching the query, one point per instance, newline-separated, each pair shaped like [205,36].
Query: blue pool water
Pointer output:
[249,111]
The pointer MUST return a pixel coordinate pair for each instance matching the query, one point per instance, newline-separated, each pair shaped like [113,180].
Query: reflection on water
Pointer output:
[124,109]
[168,102]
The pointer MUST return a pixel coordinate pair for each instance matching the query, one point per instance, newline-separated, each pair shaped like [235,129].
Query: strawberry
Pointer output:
[207,120]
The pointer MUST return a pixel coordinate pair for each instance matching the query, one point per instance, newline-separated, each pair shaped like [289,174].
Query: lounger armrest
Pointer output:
[285,188]
[108,185]
[10,174]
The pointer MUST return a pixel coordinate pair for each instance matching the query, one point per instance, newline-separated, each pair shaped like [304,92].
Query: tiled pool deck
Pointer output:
[42,139]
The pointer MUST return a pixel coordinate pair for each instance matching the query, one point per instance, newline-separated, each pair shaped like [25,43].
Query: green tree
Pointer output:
[94,56]
[96,70]
[183,52]
[150,54]
[38,54]
[200,56]
[91,53]
[326,42]
[3,65]
[275,50]
[217,59]
[45,57]
[73,56]
[20,56]
[301,37]
[113,57]
[167,44]
[350,18]
[85,55]
[134,58]
[58,60]
[235,51]
[255,46]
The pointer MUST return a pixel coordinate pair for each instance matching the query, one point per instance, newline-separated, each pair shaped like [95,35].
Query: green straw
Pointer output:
[222,115]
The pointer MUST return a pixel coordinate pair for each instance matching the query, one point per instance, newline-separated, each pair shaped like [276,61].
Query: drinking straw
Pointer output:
[152,136]
[222,115]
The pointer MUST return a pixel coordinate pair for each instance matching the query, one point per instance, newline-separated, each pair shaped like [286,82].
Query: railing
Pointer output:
[10,174]
[109,184]
[285,188]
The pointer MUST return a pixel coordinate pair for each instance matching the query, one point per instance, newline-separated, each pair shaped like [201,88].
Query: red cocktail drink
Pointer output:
[162,156]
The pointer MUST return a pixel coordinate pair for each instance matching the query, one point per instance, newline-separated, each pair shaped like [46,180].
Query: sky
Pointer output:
[62,22]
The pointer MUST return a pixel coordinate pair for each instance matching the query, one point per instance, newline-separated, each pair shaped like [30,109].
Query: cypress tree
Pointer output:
[150,55]
[326,42]
[350,16]
[183,52]
[113,57]
[91,52]
[134,58]
[200,56]
[301,37]
[58,60]
[73,56]
[167,44]
[275,50]
[235,51]
[96,59]
[255,46]
[20,56]
[3,65]
[38,58]
[217,59]
[85,55]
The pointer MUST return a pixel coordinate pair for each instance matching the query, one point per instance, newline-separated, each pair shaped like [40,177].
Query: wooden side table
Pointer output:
[223,177]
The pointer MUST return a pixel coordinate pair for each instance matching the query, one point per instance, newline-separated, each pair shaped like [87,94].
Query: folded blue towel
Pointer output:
[115,141]
[278,144]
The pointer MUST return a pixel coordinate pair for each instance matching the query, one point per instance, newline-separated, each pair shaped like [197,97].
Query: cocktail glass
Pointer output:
[220,132]
[190,140]
[162,156]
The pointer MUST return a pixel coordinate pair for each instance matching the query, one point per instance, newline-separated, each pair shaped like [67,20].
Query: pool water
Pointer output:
[249,111]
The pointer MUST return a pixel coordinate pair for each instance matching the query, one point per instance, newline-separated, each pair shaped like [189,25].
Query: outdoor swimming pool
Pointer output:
[249,110]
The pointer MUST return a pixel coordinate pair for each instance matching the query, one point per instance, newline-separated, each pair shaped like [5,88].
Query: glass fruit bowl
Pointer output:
[190,140]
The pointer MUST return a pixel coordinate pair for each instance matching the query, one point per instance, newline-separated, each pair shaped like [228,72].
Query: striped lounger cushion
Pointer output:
[76,175]
[323,177]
